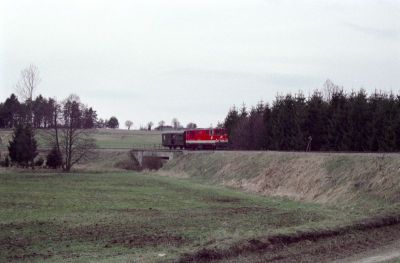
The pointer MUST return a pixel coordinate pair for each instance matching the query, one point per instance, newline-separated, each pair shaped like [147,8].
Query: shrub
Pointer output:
[54,159]
[39,162]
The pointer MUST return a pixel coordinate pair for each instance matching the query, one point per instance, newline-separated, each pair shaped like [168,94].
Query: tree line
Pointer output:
[68,133]
[67,126]
[40,113]
[332,120]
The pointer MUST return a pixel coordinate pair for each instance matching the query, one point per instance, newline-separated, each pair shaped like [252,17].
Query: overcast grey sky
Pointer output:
[193,59]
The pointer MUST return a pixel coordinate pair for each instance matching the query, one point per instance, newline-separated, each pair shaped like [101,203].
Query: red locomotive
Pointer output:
[213,138]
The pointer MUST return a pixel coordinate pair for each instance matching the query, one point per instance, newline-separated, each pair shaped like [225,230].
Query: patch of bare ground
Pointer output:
[148,240]
[31,256]
[308,246]
[17,245]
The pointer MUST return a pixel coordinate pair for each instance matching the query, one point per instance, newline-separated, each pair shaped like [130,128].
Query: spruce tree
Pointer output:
[231,120]
[23,146]
[338,135]
[358,120]
[267,129]
[317,121]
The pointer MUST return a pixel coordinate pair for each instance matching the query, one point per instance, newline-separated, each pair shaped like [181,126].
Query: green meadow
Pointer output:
[135,217]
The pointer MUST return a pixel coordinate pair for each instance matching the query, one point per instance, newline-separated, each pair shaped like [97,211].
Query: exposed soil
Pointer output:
[147,240]
[19,245]
[314,246]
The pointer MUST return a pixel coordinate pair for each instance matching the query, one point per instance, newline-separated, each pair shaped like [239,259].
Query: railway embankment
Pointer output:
[367,186]
[313,177]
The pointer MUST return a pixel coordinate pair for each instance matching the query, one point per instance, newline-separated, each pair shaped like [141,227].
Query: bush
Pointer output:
[39,162]
[54,159]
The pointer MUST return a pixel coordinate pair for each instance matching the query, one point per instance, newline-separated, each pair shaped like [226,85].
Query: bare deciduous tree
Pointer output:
[74,143]
[29,82]
[329,89]
[27,85]
[77,146]
[128,124]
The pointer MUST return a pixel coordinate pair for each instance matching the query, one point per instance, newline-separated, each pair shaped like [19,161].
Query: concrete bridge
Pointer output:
[159,153]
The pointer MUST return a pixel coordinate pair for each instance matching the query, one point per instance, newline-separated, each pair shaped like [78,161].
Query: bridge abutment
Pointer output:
[140,154]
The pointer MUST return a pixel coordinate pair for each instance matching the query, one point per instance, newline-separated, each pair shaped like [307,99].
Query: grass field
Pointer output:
[132,217]
[105,138]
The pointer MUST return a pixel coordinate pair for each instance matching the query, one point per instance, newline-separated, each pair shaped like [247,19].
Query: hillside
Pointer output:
[317,177]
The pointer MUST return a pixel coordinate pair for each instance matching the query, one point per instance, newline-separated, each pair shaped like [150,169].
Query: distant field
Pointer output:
[131,217]
[105,138]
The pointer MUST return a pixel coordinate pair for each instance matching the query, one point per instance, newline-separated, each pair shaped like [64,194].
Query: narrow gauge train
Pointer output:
[213,138]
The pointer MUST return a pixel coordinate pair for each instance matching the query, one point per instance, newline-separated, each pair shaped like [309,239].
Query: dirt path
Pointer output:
[385,253]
